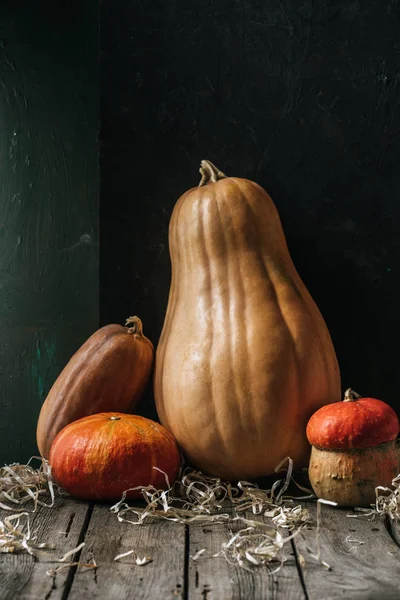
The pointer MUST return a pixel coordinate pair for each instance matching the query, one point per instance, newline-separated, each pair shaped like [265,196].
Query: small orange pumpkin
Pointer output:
[353,449]
[100,456]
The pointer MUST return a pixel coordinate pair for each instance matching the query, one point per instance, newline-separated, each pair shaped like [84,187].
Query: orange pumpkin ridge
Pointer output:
[109,372]
[354,423]
[244,357]
[101,456]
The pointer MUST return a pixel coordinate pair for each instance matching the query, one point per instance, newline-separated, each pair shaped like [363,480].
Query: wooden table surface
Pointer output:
[364,560]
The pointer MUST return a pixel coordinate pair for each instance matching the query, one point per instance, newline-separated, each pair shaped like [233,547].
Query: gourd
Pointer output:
[353,449]
[101,456]
[109,372]
[244,357]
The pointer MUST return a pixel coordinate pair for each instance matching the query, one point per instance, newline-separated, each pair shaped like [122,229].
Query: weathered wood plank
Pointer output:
[24,577]
[216,579]
[106,537]
[359,571]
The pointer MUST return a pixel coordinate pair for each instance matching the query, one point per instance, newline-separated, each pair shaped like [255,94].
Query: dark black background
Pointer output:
[302,97]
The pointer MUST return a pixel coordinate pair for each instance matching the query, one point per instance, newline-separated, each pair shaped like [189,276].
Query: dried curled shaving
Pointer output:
[16,535]
[71,552]
[255,547]
[139,561]
[196,497]
[198,554]
[193,498]
[20,484]
[320,502]
[124,554]
[288,516]
[387,503]
[52,572]
[388,499]
[91,565]
[143,561]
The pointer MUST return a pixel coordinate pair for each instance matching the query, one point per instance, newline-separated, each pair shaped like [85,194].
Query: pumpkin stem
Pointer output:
[209,173]
[137,326]
[350,395]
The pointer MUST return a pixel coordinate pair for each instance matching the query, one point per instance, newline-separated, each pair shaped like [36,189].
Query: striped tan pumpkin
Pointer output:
[109,372]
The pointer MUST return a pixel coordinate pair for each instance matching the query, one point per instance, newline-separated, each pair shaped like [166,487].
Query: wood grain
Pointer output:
[106,537]
[24,577]
[216,579]
[358,571]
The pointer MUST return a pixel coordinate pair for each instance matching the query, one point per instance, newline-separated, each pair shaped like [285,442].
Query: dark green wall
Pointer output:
[48,204]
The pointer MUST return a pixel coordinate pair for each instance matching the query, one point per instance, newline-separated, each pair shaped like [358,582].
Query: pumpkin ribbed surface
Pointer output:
[109,372]
[357,423]
[245,357]
[100,456]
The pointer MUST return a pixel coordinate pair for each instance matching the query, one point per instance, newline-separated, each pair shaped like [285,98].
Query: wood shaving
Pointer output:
[124,554]
[302,560]
[193,498]
[198,498]
[350,541]
[20,484]
[143,561]
[357,543]
[388,499]
[251,547]
[52,572]
[139,561]
[387,503]
[16,535]
[198,554]
[320,502]
[71,552]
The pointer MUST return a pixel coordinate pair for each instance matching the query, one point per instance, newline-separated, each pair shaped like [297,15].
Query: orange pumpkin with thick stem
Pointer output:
[353,449]
[109,372]
[100,456]
[245,357]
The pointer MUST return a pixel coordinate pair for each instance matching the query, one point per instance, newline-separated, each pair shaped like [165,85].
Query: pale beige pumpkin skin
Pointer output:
[245,357]
[349,477]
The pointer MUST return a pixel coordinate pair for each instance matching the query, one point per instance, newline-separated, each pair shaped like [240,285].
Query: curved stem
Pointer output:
[209,173]
[350,395]
[137,326]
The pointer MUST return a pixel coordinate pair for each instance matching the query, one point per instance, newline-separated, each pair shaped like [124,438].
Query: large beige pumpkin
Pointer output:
[245,357]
